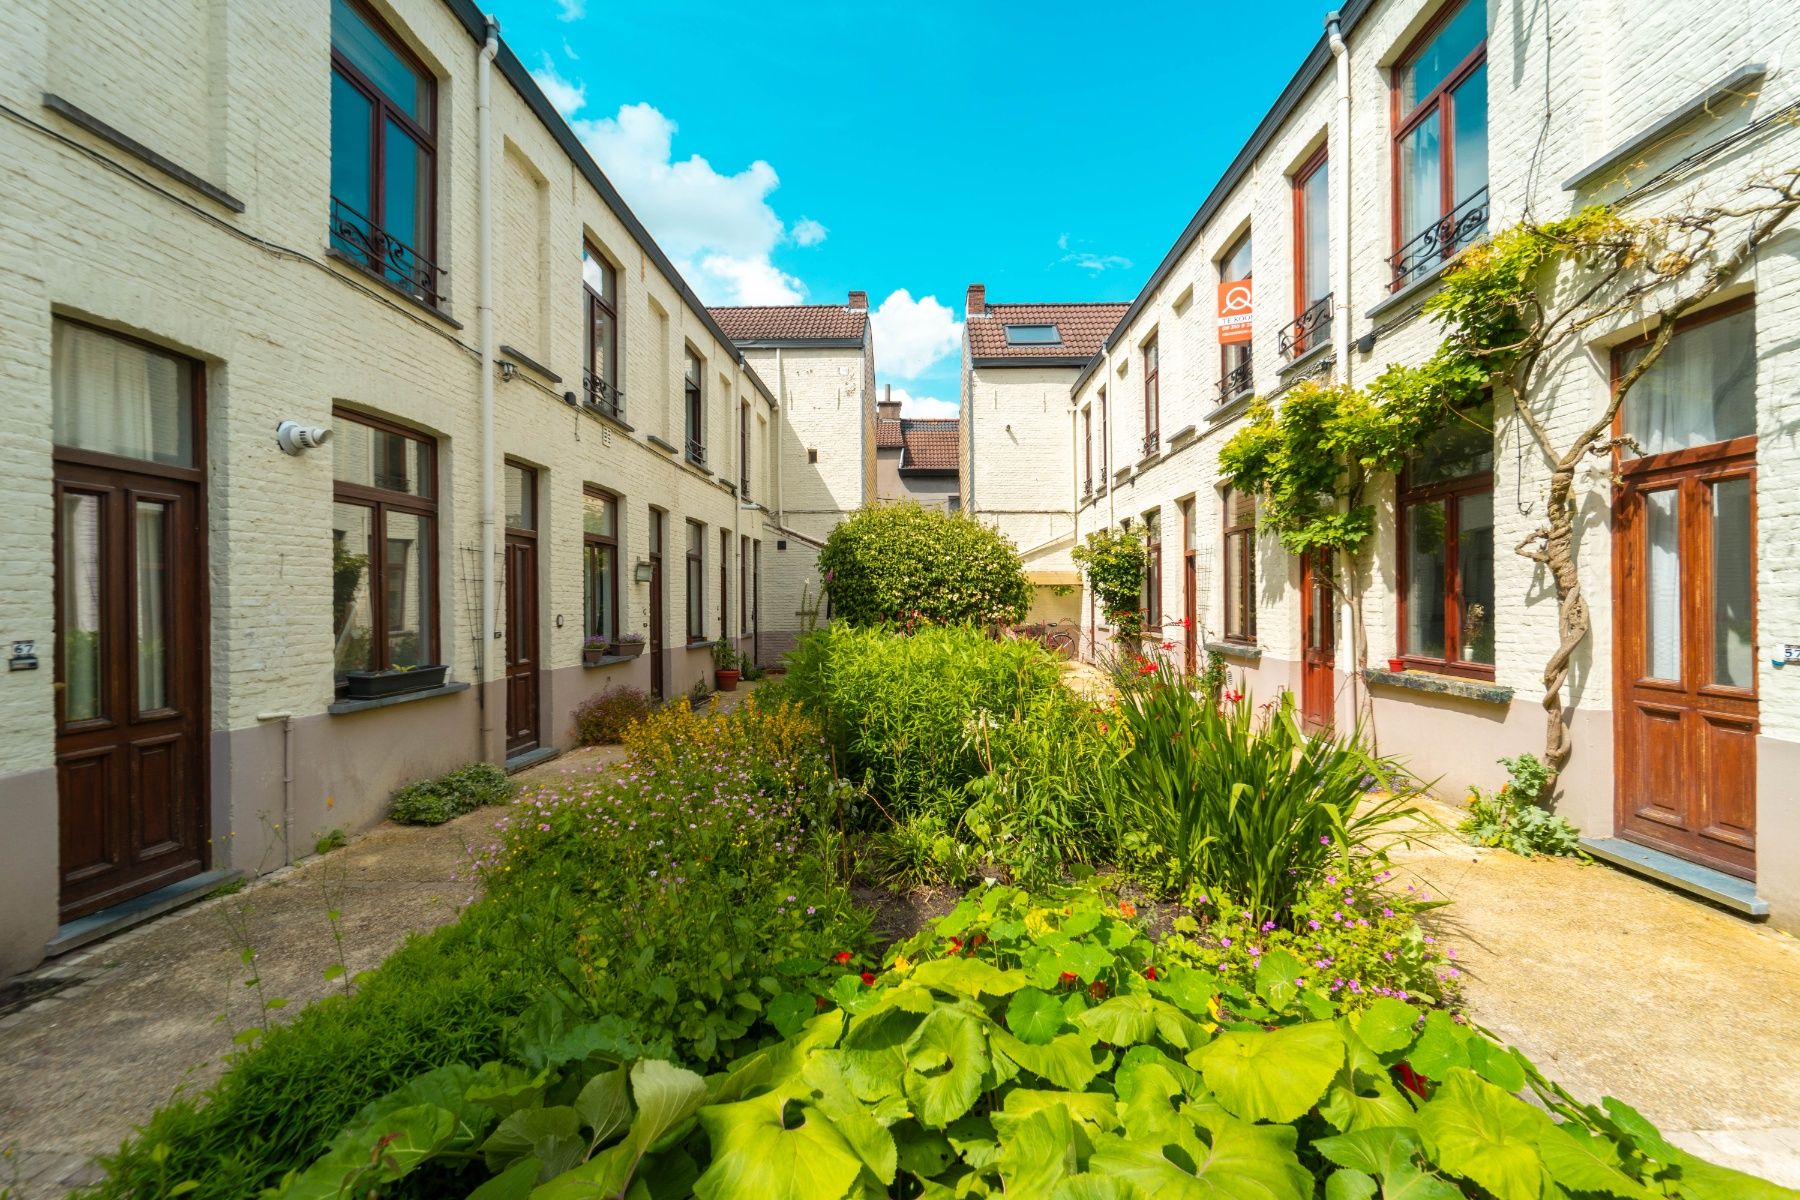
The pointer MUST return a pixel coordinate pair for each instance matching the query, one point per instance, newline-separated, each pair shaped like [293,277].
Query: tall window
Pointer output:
[1087,451]
[1152,399]
[1240,566]
[383,546]
[696,581]
[744,626]
[600,286]
[1312,259]
[1153,572]
[743,452]
[724,584]
[600,563]
[383,149]
[696,411]
[1234,357]
[1446,537]
[1440,113]
[1105,442]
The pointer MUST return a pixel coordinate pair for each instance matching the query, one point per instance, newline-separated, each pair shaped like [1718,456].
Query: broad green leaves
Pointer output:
[1474,1129]
[1271,1076]
[945,1060]
[757,1153]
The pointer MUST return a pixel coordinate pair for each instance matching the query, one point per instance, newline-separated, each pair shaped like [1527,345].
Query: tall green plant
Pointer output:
[1113,561]
[1237,802]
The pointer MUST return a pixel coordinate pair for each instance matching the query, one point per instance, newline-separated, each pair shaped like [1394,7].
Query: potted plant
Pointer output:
[725,666]
[1396,665]
[627,645]
[593,649]
[372,685]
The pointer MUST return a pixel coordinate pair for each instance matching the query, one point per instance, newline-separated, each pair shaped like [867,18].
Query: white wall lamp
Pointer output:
[293,437]
[644,573]
[507,371]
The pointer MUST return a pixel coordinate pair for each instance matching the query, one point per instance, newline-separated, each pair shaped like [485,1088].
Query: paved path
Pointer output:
[1616,986]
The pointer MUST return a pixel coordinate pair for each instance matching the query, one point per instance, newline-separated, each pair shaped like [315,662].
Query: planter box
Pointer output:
[591,655]
[372,685]
[625,649]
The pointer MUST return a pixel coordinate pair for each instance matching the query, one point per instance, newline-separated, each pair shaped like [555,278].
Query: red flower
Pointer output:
[1150,974]
[1233,696]
[1412,1081]
[978,939]
[1149,668]
[842,956]
[1066,978]
[868,977]
[1168,645]
[955,944]
[819,1002]
[1096,989]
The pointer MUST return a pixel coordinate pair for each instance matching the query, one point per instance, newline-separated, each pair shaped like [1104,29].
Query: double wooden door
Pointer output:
[1318,645]
[1684,618]
[131,689]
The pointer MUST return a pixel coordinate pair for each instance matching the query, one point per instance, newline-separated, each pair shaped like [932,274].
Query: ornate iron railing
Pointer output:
[602,396]
[358,237]
[1236,382]
[1152,443]
[1311,328]
[1087,486]
[696,452]
[1440,240]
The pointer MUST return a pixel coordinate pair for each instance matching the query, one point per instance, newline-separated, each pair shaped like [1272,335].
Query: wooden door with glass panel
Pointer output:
[1684,564]
[130,643]
[521,610]
[1318,648]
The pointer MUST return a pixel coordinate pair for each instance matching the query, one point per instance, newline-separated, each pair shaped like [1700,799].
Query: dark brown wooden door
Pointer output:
[130,683]
[1684,608]
[657,533]
[521,644]
[1318,648]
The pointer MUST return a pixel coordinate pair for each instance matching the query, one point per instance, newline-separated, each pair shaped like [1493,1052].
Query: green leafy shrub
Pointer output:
[605,716]
[1517,818]
[1030,1046]
[1241,803]
[1114,561]
[894,563]
[434,801]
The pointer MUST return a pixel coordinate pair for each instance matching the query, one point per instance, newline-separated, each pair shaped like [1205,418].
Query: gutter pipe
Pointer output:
[484,142]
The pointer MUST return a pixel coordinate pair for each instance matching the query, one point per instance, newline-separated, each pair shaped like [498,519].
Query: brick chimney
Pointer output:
[976,305]
[887,408]
[859,302]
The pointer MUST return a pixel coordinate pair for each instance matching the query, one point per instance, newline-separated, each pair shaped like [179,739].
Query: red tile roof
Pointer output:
[1083,329]
[793,323]
[887,433]
[929,444]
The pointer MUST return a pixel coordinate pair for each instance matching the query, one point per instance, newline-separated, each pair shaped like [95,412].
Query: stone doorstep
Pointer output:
[530,758]
[1727,891]
[136,911]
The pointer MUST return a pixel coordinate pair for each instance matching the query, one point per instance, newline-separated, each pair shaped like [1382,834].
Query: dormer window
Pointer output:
[1032,335]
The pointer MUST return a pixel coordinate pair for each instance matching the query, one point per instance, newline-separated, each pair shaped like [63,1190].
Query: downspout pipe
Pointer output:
[1340,152]
[287,782]
[484,203]
[780,458]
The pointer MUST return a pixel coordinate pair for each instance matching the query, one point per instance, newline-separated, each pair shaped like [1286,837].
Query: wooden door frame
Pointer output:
[1308,588]
[527,538]
[1190,581]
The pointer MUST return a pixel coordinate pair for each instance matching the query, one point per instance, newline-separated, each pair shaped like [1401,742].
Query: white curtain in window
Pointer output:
[117,397]
[1662,589]
[1702,389]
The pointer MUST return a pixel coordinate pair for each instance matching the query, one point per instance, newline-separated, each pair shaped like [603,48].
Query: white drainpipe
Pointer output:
[1340,153]
[287,782]
[484,202]
[775,429]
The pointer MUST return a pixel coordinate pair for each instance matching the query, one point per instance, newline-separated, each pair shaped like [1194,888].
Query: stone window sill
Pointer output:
[346,261]
[1232,407]
[611,660]
[1234,649]
[1413,293]
[342,707]
[1311,357]
[660,444]
[1440,685]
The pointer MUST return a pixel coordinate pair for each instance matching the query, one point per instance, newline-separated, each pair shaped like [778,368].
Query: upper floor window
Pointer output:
[1446,539]
[1311,326]
[743,452]
[1105,439]
[383,153]
[696,410]
[600,286]
[1234,340]
[1152,398]
[1440,142]
[1032,335]
[1087,451]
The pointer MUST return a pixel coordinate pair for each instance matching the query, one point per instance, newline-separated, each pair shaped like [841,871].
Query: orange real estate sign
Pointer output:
[1234,312]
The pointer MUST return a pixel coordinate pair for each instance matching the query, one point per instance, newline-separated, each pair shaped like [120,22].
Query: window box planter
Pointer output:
[592,656]
[626,649]
[373,685]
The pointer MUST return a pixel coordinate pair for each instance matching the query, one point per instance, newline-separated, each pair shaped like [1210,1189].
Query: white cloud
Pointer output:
[719,228]
[924,406]
[1087,260]
[911,336]
[808,232]
[569,51]
[570,10]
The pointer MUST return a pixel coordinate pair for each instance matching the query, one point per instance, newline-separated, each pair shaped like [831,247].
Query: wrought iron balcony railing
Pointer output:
[1440,241]
[1087,486]
[1310,329]
[602,396]
[360,239]
[1236,382]
[696,452]
[1152,443]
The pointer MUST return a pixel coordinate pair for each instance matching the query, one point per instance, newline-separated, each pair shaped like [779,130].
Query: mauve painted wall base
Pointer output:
[28,868]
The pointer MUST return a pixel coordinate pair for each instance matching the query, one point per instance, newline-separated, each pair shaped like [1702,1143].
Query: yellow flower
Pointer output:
[1037,921]
[902,964]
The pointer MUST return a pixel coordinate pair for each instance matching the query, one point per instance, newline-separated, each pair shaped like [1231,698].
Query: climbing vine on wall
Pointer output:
[1113,560]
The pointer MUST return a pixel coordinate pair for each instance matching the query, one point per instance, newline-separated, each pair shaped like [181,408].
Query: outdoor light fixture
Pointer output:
[293,437]
[643,573]
[507,371]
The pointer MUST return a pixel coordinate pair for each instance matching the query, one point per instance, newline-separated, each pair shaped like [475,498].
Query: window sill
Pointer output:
[1311,357]
[610,660]
[1230,408]
[1413,293]
[130,145]
[1181,435]
[339,708]
[660,444]
[1149,459]
[699,465]
[338,256]
[1234,649]
[606,418]
[1440,685]
[702,642]
[529,363]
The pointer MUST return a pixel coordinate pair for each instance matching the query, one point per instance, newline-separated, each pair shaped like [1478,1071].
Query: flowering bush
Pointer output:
[897,562]
[605,716]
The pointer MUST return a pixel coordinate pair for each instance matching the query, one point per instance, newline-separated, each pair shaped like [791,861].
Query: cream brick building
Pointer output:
[1555,107]
[240,216]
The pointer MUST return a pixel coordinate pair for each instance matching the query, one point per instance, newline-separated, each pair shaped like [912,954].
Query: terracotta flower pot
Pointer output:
[1396,665]
[726,679]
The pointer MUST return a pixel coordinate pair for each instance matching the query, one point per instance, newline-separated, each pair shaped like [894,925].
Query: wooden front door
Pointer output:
[1318,645]
[131,689]
[657,533]
[521,611]
[1683,614]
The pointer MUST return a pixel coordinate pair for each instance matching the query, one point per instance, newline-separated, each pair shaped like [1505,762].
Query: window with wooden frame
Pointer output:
[696,581]
[1440,164]
[744,587]
[1240,567]
[1105,442]
[600,290]
[1446,539]
[724,584]
[1153,572]
[383,546]
[694,391]
[600,563]
[743,452]
[1311,326]
[383,153]
[1152,398]
[1087,450]
[1235,378]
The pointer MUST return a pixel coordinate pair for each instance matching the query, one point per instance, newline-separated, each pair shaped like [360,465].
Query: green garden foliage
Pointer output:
[434,801]
[903,564]
[1114,562]
[1517,817]
[1026,1045]
[604,717]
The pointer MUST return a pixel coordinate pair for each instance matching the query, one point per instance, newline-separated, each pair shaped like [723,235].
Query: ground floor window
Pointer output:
[696,581]
[1446,538]
[383,546]
[600,564]
[1152,572]
[1240,566]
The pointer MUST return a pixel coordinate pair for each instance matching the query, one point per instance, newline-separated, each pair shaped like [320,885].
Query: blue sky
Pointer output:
[787,153]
